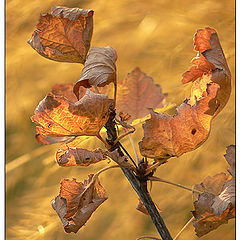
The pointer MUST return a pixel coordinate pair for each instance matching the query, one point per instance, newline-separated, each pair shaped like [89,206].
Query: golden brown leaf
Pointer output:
[64,34]
[99,68]
[166,136]
[138,92]
[60,118]
[216,205]
[77,201]
[79,157]
[211,59]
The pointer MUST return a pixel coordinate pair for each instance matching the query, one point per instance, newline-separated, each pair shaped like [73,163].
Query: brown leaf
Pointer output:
[166,136]
[226,199]
[205,219]
[216,205]
[77,201]
[99,68]
[138,92]
[60,118]
[211,59]
[79,157]
[230,156]
[64,34]
[140,207]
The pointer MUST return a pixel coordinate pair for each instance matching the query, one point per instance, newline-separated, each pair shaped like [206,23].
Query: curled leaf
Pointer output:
[79,157]
[99,68]
[216,205]
[58,117]
[138,92]
[77,201]
[64,34]
[165,135]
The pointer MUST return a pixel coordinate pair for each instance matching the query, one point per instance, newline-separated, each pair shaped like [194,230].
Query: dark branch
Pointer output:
[139,184]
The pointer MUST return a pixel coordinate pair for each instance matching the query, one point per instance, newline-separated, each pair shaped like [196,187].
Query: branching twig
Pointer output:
[140,186]
[175,184]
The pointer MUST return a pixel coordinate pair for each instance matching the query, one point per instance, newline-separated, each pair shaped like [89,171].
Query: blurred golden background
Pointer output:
[155,35]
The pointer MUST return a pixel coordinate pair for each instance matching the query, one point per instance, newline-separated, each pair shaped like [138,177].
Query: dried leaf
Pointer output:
[226,199]
[211,59]
[166,136]
[77,201]
[140,207]
[216,205]
[138,92]
[230,156]
[64,34]
[79,157]
[99,68]
[60,118]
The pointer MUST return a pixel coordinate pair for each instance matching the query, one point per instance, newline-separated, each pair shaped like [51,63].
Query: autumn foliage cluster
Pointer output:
[97,101]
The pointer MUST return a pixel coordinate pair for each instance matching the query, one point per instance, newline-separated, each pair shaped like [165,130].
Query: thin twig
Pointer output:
[148,237]
[153,166]
[172,183]
[106,168]
[115,93]
[123,135]
[126,152]
[184,227]
[104,141]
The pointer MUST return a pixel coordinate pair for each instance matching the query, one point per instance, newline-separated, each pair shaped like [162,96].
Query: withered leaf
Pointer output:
[166,136]
[64,34]
[230,156]
[99,68]
[138,92]
[79,156]
[216,205]
[211,59]
[58,117]
[140,207]
[77,201]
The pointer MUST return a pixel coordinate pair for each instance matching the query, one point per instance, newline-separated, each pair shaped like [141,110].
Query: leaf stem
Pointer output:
[154,166]
[106,168]
[172,183]
[184,227]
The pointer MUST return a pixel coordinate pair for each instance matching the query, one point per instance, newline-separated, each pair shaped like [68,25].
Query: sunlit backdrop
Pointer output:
[155,35]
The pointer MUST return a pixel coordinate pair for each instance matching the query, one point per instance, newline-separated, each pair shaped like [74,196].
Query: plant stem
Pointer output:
[172,183]
[142,192]
[139,185]
[184,227]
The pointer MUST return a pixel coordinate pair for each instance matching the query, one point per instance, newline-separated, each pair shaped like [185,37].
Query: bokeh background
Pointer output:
[155,35]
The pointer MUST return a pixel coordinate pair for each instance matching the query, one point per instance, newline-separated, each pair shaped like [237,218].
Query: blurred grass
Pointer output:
[155,35]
